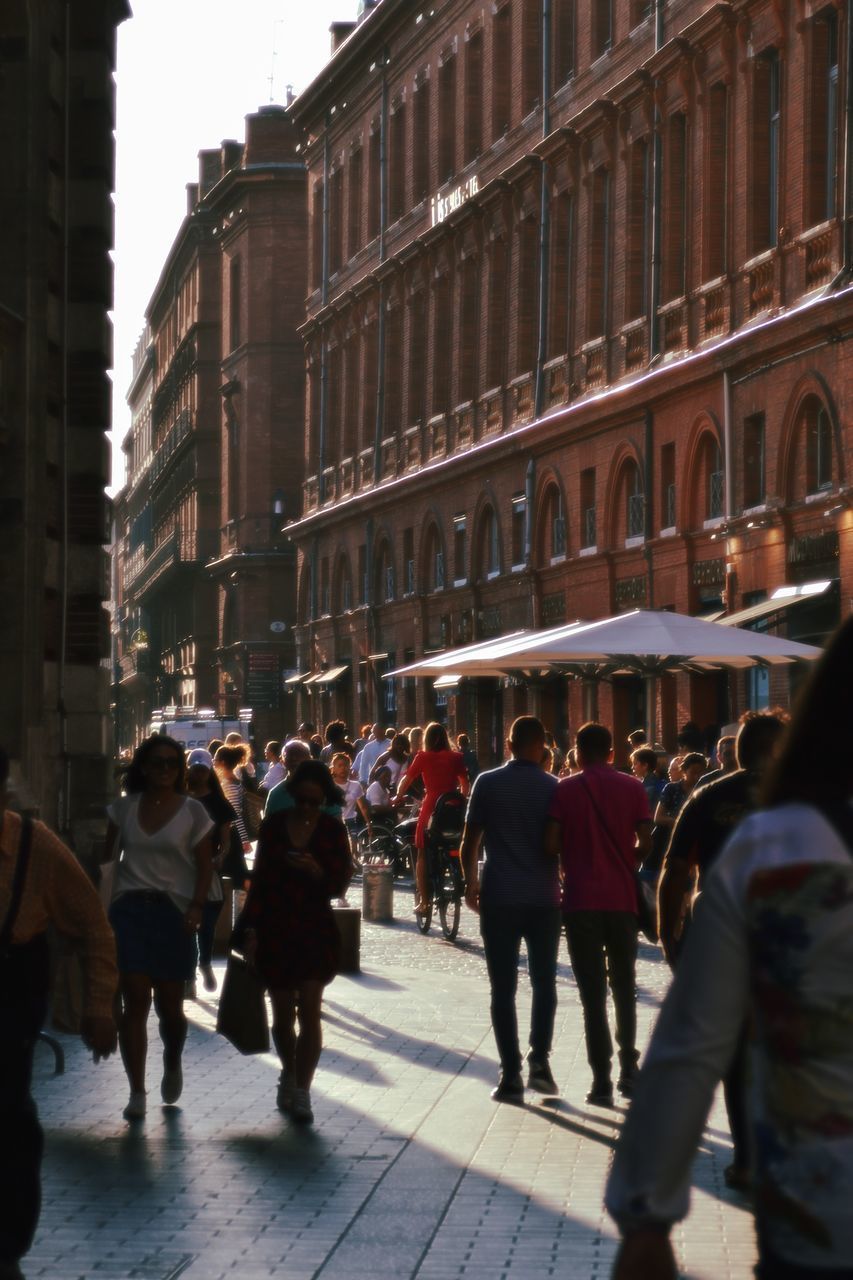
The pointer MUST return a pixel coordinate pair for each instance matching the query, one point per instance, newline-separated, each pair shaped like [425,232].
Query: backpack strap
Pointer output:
[18,882]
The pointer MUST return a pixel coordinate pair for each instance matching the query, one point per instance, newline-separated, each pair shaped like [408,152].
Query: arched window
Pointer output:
[818,440]
[714,481]
[343,597]
[635,502]
[434,563]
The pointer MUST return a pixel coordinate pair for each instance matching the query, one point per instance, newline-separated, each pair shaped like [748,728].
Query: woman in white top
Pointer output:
[161,884]
[770,947]
[352,792]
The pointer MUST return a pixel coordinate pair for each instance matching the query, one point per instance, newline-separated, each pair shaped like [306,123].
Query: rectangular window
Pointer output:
[818,450]
[317,229]
[602,26]
[356,178]
[234,304]
[561,257]
[822,141]
[474,97]
[393,383]
[717,168]
[369,380]
[420,142]
[325,588]
[447,120]
[675,209]
[667,486]
[766,124]
[409,562]
[442,350]
[336,221]
[754,487]
[599,254]
[363,584]
[468,331]
[438,571]
[636,292]
[564,39]
[501,72]
[531,55]
[460,550]
[349,400]
[519,529]
[527,311]
[587,508]
[496,320]
[398,167]
[374,184]
[417,358]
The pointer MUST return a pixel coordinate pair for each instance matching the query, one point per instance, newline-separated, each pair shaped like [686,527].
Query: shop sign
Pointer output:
[814,548]
[441,206]
[263,680]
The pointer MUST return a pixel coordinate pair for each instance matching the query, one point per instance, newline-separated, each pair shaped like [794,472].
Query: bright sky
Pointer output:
[188,73]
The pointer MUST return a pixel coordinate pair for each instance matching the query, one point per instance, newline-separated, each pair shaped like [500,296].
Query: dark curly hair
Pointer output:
[318,773]
[135,779]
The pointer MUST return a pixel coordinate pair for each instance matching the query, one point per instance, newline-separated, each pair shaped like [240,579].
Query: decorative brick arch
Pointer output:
[627,457]
[550,484]
[811,388]
[703,443]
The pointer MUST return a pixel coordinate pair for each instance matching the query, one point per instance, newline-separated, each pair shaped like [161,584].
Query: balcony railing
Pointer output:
[819,258]
[491,413]
[178,432]
[365,469]
[464,426]
[437,428]
[761,280]
[183,547]
[673,325]
[522,399]
[716,310]
[388,457]
[311,493]
[329,484]
[412,448]
[346,476]
[557,382]
[595,359]
[635,338]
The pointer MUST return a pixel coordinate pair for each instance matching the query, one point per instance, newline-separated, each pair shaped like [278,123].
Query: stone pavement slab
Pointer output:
[410,1171]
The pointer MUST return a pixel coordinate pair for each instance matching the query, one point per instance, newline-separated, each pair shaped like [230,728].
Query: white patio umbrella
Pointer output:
[644,642]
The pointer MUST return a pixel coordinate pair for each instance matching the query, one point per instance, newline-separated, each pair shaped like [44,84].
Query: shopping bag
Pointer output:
[242,1016]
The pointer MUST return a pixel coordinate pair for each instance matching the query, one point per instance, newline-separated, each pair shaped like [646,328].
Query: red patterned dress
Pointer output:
[290,909]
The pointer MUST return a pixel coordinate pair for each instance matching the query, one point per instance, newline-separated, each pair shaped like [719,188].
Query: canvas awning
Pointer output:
[328,677]
[298,678]
[782,598]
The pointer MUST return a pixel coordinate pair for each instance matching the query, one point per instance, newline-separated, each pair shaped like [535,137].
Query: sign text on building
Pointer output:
[441,206]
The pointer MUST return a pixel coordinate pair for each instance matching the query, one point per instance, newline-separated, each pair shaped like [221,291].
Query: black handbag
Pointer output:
[242,1016]
[234,864]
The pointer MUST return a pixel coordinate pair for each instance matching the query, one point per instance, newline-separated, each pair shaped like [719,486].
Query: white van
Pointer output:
[195,728]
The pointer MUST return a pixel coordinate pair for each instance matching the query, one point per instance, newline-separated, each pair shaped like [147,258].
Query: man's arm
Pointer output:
[644,839]
[74,908]
[469,852]
[380,760]
[553,839]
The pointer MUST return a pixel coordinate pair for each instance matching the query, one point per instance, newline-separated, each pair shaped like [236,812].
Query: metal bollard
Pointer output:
[348,921]
[377,894]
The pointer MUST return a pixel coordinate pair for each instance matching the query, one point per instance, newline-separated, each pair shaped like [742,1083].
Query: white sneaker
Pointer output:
[284,1093]
[300,1107]
[136,1107]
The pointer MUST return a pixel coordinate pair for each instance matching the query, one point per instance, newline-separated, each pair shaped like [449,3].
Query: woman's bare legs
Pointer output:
[299,1053]
[169,1003]
[133,1027]
[421,878]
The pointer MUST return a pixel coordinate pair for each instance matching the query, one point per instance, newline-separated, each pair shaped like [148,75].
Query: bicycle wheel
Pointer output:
[449,910]
[423,918]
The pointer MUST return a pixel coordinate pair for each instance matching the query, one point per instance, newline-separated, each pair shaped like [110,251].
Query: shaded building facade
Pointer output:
[214,451]
[57,115]
[578,342]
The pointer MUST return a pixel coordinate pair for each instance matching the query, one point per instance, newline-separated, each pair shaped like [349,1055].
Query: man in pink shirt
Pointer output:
[599,825]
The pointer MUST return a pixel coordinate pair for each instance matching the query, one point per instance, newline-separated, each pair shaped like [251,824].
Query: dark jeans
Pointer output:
[602,947]
[209,916]
[502,927]
[734,1089]
[20,1148]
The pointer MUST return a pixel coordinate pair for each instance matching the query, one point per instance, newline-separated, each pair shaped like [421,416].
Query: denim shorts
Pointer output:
[151,938]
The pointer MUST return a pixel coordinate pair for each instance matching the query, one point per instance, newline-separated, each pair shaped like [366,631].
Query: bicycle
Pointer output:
[444,868]
[385,844]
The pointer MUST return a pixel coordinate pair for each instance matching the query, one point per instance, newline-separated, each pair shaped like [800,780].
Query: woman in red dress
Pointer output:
[288,929]
[441,770]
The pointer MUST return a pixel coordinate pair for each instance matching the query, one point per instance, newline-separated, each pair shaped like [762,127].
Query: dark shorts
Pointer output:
[151,938]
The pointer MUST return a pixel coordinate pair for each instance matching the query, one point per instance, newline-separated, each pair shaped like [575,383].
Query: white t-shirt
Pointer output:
[378,796]
[163,861]
[353,791]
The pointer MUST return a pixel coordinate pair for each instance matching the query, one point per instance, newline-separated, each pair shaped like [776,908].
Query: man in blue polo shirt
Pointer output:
[519,899]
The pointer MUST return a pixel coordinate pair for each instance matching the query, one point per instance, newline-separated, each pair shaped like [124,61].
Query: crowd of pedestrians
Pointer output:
[750,849]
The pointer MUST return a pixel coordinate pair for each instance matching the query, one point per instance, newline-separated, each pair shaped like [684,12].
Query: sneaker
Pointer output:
[172,1084]
[601,1094]
[284,1093]
[509,1089]
[208,977]
[539,1077]
[300,1107]
[135,1109]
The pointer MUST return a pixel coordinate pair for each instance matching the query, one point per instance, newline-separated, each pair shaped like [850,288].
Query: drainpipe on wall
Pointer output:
[848,149]
[544,217]
[650,679]
[657,184]
[324,298]
[383,219]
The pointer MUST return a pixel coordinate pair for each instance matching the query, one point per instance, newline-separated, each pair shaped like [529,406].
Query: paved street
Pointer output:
[411,1170]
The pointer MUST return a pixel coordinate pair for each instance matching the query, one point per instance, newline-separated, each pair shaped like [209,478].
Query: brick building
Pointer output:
[578,341]
[57,114]
[205,603]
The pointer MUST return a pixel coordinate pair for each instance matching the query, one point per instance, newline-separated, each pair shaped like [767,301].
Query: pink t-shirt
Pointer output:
[598,868]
